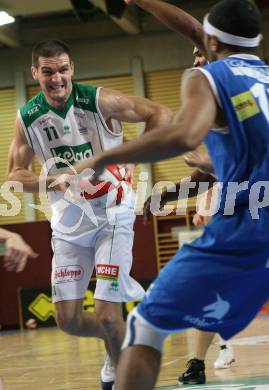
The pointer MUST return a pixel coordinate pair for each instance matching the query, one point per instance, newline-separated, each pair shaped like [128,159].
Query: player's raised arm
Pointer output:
[115,105]
[175,19]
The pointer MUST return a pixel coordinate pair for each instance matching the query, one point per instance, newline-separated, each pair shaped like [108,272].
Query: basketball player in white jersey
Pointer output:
[67,122]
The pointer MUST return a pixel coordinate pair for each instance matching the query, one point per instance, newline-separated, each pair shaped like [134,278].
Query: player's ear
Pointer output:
[213,44]
[34,72]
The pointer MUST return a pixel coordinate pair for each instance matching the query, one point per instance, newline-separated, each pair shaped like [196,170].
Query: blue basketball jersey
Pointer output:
[219,281]
[240,151]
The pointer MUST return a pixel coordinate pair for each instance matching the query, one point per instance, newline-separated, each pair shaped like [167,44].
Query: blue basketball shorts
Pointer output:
[217,283]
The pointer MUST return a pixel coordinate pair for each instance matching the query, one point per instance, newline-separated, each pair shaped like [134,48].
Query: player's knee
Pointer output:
[110,320]
[68,322]
[141,332]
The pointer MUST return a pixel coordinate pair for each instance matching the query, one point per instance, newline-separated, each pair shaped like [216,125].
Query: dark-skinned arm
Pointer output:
[196,177]
[173,194]
[175,19]
[190,127]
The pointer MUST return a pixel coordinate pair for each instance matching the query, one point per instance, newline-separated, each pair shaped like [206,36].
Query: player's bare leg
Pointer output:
[2,385]
[109,316]
[138,368]
[72,319]
[107,323]
[204,339]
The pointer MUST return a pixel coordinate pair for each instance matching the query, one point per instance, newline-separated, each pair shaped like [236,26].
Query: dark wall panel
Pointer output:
[145,263]
[37,271]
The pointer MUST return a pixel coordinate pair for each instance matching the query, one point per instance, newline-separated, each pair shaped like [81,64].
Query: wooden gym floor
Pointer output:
[48,359]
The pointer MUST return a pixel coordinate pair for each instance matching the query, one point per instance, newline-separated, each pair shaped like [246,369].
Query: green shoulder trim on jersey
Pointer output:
[33,109]
[85,97]
[38,106]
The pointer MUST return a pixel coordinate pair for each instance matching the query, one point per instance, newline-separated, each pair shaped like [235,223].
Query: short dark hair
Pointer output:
[47,49]
[237,17]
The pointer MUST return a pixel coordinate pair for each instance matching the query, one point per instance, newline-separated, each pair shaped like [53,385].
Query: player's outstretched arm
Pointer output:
[115,105]
[133,109]
[191,124]
[17,251]
[175,19]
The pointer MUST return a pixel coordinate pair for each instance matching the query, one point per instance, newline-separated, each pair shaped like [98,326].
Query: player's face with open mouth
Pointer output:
[55,77]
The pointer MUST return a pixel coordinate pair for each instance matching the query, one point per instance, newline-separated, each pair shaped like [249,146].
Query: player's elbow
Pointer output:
[160,116]
[189,133]
[166,113]
[186,142]
[191,143]
[9,175]
[12,175]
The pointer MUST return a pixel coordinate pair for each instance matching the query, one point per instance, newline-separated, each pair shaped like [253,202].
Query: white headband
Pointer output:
[230,39]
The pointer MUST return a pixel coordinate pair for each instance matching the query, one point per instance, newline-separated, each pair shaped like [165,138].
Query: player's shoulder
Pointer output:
[219,65]
[33,109]
[85,96]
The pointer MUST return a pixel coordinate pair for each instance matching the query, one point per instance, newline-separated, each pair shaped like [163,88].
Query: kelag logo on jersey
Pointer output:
[72,154]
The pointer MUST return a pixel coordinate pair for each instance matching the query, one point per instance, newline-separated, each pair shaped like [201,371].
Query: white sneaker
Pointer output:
[225,358]
[107,374]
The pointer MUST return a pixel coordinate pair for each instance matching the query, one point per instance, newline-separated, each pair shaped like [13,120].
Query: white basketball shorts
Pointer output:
[109,250]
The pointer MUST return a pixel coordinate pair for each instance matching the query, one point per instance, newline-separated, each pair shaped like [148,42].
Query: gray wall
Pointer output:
[97,57]
[107,57]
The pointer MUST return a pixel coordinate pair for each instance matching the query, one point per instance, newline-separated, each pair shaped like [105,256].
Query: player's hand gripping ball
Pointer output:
[108,189]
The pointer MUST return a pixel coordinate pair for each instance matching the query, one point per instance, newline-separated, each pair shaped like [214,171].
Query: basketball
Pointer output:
[108,189]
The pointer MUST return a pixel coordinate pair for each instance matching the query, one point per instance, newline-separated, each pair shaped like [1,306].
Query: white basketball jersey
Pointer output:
[58,137]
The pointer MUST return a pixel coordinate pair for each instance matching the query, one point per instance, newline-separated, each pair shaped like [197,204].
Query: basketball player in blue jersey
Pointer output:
[185,24]
[195,373]
[64,123]
[207,283]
